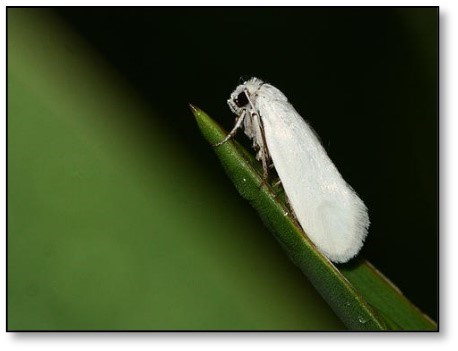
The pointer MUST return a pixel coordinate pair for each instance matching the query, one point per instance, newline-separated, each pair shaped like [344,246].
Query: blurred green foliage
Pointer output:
[111,227]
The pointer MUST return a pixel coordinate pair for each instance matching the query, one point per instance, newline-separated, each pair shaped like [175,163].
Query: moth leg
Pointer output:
[265,157]
[238,124]
[277,189]
[265,168]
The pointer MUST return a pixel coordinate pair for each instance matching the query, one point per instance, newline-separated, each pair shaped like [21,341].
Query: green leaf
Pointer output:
[360,295]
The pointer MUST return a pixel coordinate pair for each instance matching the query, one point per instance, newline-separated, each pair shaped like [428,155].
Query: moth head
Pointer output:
[242,98]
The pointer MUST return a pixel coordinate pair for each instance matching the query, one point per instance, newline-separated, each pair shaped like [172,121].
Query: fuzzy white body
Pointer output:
[327,208]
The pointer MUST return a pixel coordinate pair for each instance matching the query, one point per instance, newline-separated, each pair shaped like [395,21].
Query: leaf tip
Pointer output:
[195,110]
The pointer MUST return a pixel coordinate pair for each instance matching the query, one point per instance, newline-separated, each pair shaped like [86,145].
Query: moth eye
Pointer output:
[241,99]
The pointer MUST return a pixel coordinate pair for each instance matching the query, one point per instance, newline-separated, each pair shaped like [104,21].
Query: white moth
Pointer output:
[327,208]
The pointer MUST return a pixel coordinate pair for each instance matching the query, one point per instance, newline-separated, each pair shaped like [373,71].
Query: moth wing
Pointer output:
[328,209]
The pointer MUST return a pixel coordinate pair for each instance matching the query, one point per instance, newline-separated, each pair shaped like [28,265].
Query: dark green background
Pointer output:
[119,215]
